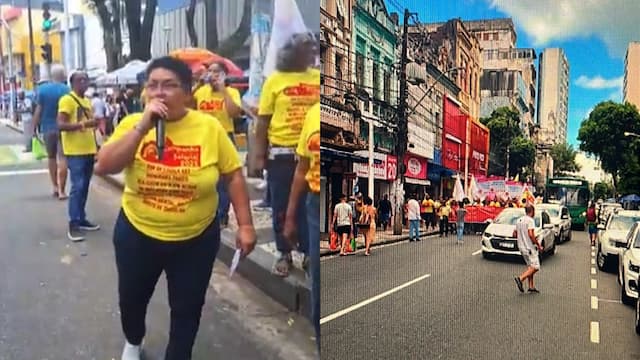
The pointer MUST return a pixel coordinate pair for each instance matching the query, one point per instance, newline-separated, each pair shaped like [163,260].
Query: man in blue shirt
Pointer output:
[45,123]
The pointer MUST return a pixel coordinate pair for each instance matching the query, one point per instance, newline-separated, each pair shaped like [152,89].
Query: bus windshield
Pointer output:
[568,196]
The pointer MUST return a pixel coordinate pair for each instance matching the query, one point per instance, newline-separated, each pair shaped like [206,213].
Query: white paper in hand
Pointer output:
[235,262]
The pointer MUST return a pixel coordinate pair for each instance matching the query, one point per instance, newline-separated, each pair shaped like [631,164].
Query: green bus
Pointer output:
[571,192]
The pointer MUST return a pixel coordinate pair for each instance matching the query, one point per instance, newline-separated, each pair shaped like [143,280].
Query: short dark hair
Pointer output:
[343,196]
[529,209]
[176,66]
[368,200]
[76,73]
[222,65]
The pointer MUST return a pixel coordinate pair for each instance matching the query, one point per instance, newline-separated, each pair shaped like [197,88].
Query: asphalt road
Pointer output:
[58,300]
[438,300]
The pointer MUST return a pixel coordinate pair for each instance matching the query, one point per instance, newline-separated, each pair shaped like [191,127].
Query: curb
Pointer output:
[399,239]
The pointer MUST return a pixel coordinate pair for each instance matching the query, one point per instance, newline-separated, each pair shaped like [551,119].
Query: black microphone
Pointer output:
[160,130]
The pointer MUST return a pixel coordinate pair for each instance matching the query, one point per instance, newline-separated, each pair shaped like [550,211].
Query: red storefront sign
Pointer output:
[479,157]
[392,167]
[452,154]
[416,166]
[454,136]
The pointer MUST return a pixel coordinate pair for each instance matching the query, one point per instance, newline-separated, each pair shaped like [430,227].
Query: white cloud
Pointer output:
[598,82]
[615,22]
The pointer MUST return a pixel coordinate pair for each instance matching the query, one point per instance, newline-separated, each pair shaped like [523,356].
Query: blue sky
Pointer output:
[593,34]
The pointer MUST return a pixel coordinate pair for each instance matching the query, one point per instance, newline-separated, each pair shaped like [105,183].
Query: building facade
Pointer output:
[509,75]
[375,81]
[553,99]
[631,86]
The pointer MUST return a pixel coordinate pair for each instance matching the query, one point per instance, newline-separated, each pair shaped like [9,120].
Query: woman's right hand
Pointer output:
[153,109]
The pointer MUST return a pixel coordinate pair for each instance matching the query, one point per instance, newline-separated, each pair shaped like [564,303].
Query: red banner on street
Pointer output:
[478,214]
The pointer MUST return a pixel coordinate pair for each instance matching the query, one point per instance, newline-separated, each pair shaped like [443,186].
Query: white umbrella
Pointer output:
[474,191]
[458,191]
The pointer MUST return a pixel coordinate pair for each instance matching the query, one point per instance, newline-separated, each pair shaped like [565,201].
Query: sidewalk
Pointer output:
[292,292]
[382,238]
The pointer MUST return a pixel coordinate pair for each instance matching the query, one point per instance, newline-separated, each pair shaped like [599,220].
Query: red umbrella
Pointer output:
[196,57]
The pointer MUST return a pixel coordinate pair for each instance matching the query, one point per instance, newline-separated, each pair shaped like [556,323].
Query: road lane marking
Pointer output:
[594,302]
[593,253]
[610,301]
[595,332]
[340,313]
[594,284]
[23,172]
[593,247]
[476,252]
[593,261]
[593,271]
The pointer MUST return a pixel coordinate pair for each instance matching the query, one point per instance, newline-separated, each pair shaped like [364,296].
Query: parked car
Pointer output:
[605,210]
[612,237]
[498,238]
[560,218]
[629,266]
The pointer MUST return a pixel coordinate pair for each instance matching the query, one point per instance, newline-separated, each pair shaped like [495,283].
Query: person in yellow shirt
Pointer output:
[445,211]
[307,178]
[169,204]
[77,126]
[427,210]
[223,103]
[286,97]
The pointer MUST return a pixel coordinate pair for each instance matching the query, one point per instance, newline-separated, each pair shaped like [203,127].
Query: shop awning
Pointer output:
[417,181]
[329,153]
[437,171]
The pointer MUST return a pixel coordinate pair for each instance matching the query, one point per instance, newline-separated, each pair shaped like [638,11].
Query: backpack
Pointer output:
[591,215]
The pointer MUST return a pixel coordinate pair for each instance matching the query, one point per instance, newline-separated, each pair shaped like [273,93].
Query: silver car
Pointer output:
[498,238]
[560,218]
[629,266]
[612,237]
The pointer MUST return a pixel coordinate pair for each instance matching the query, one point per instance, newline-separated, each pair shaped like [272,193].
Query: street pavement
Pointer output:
[437,300]
[58,300]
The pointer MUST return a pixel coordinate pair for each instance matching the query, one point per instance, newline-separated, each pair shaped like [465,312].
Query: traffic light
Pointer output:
[47,23]
[46,53]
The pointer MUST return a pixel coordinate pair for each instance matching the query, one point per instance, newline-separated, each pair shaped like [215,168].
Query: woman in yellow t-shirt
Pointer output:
[286,97]
[307,178]
[167,222]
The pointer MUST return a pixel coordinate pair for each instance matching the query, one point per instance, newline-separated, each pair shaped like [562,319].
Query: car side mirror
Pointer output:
[547,226]
[600,227]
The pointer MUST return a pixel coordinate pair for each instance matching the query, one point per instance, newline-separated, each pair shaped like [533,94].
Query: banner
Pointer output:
[416,166]
[501,188]
[452,154]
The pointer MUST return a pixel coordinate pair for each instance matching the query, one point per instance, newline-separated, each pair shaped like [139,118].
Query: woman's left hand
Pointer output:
[246,239]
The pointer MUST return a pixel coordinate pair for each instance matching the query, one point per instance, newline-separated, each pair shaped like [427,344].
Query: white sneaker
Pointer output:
[131,352]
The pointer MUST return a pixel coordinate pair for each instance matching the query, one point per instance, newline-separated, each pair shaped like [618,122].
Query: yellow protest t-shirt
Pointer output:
[427,206]
[176,199]
[287,96]
[309,147]
[212,103]
[81,142]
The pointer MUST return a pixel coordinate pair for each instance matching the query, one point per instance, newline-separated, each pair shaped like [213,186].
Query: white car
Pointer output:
[629,266]
[612,237]
[605,210]
[498,238]
[560,218]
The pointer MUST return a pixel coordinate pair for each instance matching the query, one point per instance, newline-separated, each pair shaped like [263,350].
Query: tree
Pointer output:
[602,134]
[140,32]
[503,126]
[234,42]
[522,154]
[602,190]
[109,14]
[564,159]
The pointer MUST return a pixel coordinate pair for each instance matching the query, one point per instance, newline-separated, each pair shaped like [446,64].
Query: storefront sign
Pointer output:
[416,167]
[384,169]
[338,118]
[452,154]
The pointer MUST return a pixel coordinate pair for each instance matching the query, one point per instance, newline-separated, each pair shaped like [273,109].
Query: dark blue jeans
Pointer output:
[280,173]
[187,264]
[313,218]
[80,172]
[224,201]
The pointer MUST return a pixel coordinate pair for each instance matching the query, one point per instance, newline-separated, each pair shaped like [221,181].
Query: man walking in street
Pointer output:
[445,211]
[413,215]
[427,212]
[25,109]
[343,222]
[460,214]
[529,248]
[77,126]
[384,208]
[44,122]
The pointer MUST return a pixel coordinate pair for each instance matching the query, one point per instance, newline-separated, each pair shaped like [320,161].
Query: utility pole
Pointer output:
[32,49]
[403,131]
[507,172]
